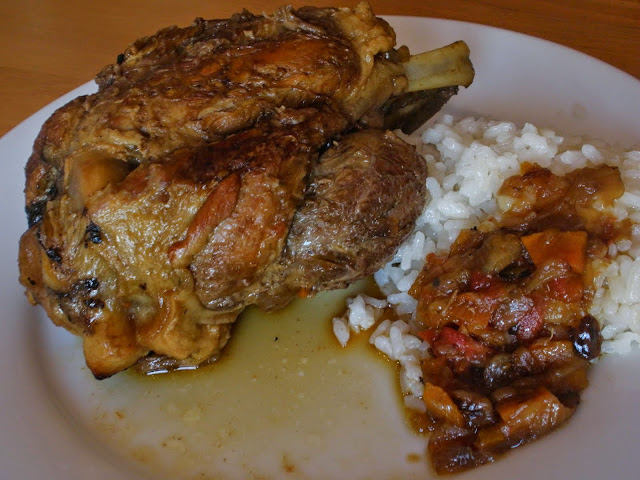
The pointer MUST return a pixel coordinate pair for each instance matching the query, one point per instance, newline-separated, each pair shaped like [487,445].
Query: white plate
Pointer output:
[342,418]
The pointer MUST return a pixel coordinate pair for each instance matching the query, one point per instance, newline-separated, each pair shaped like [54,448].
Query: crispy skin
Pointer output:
[162,205]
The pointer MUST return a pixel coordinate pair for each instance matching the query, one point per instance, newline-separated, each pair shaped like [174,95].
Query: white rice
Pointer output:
[476,156]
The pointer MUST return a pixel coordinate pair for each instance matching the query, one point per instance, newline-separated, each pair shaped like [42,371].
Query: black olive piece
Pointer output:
[587,339]
[120,59]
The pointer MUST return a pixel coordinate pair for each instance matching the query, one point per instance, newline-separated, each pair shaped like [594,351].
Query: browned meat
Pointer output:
[356,208]
[189,186]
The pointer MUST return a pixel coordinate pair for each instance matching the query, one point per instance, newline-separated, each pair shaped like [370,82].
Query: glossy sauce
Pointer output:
[285,398]
[506,315]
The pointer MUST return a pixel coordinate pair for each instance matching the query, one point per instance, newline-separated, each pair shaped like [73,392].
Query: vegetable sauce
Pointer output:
[506,315]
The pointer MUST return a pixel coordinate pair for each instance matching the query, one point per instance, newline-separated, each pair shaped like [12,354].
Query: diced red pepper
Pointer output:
[531,322]
[471,349]
[479,281]
[567,289]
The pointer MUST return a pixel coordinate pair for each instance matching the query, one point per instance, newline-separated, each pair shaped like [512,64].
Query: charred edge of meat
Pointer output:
[94,303]
[90,283]
[54,254]
[35,211]
[86,286]
[92,234]
[409,111]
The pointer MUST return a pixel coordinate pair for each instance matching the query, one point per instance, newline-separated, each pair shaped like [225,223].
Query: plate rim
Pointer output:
[36,119]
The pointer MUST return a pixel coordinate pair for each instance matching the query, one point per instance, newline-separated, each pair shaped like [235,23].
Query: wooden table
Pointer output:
[49,47]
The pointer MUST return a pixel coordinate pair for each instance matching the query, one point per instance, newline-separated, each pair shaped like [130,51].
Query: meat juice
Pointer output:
[284,397]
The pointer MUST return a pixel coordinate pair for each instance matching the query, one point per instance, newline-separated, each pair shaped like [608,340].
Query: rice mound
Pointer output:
[476,156]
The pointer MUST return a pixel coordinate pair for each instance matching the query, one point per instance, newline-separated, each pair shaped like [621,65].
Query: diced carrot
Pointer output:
[535,416]
[440,406]
[490,438]
[569,247]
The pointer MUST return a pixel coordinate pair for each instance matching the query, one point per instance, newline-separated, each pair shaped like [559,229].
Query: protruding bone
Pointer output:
[443,67]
